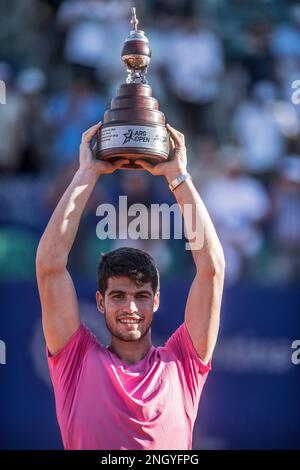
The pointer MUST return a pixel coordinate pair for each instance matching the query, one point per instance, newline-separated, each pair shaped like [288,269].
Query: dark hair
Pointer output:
[129,262]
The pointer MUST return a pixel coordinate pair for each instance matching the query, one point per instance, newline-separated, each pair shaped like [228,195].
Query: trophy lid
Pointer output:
[136,34]
[136,52]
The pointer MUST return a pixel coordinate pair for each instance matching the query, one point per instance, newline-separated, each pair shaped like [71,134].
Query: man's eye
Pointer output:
[118,296]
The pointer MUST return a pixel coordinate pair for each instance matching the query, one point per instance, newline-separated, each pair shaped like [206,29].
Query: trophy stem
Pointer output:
[137,76]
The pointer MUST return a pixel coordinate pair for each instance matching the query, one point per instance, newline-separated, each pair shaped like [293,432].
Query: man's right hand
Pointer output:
[87,160]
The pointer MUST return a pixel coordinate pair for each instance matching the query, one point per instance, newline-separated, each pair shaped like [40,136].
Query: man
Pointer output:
[129,395]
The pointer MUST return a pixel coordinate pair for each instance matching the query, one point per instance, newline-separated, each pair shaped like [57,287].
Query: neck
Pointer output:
[131,352]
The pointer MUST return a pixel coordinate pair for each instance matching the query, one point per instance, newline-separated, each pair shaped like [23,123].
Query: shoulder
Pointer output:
[76,347]
[180,348]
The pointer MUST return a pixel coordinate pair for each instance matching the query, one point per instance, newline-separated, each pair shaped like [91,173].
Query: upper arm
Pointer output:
[60,312]
[202,314]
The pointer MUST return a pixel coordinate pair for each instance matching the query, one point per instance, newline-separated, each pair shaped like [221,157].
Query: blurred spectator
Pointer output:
[238,205]
[95,30]
[194,71]
[257,57]
[168,11]
[31,83]
[257,131]
[286,220]
[286,36]
[12,124]
[70,113]
[204,159]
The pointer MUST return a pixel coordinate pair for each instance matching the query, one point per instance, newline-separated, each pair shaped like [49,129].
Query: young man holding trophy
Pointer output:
[129,395]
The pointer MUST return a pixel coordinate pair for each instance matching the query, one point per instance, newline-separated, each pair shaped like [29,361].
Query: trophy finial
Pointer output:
[134,21]
[136,52]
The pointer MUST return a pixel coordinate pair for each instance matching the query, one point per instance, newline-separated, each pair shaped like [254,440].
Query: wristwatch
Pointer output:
[177,181]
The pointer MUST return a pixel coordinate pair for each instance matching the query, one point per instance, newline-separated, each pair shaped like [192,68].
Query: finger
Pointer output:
[174,131]
[90,133]
[120,162]
[177,136]
[111,166]
[116,163]
[172,144]
[147,166]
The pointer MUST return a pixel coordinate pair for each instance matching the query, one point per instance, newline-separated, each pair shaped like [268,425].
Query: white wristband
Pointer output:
[177,181]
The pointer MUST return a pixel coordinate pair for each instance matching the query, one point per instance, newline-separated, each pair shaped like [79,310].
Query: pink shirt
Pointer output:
[103,403]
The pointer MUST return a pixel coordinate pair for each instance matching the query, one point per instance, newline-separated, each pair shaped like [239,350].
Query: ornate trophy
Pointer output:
[134,128]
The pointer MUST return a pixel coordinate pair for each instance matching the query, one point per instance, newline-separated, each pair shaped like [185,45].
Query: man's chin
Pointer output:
[130,336]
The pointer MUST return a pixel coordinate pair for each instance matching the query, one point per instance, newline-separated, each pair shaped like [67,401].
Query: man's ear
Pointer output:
[100,301]
[156,301]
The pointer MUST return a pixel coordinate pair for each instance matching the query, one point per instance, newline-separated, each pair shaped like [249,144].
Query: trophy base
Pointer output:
[133,141]
[133,128]
[132,154]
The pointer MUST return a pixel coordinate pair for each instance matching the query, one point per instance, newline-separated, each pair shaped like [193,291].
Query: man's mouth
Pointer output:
[129,321]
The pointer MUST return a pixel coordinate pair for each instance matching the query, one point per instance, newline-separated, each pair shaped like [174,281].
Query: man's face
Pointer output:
[128,309]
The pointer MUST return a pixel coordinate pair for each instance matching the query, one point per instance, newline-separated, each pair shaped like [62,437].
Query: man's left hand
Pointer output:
[177,163]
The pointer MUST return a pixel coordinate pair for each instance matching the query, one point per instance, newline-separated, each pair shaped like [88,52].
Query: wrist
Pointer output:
[170,176]
[179,180]
[88,174]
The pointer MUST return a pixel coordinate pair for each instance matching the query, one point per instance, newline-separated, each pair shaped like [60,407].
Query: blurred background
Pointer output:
[222,71]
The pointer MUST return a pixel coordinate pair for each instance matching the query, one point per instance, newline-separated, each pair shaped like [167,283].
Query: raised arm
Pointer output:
[203,306]
[60,312]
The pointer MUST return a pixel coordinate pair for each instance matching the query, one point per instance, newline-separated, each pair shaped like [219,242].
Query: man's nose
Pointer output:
[131,307]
